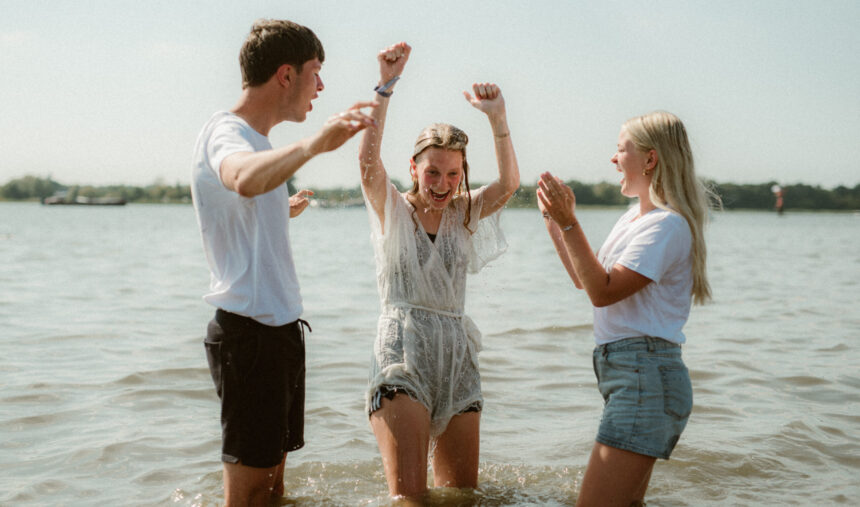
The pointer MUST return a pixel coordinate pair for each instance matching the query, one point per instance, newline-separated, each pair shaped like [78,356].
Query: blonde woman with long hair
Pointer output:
[425,387]
[642,282]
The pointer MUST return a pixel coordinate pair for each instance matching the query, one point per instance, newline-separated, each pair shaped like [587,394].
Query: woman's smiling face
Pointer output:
[631,163]
[439,172]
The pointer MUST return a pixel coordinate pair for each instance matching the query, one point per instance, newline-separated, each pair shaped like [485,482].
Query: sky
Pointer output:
[115,92]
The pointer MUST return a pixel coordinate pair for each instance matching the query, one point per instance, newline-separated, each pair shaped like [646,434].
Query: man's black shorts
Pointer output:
[259,374]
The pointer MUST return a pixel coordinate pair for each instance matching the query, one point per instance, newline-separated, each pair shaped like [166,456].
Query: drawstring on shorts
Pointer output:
[302,323]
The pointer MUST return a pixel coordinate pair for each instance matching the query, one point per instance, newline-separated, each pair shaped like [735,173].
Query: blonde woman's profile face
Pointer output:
[631,163]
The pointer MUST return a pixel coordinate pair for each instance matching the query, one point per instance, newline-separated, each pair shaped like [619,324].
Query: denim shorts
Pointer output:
[647,395]
[259,374]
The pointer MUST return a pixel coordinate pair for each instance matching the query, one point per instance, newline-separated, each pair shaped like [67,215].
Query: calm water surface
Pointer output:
[105,398]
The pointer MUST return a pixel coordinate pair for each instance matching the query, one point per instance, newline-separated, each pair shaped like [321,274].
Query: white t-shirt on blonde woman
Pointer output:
[657,245]
[246,239]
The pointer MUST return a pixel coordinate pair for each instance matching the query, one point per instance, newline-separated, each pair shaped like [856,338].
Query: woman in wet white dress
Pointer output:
[425,388]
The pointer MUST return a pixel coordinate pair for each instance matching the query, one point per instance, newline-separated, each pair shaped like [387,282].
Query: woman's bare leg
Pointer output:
[455,458]
[615,477]
[402,429]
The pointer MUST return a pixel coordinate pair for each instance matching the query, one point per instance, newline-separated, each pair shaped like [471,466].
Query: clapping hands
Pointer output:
[556,199]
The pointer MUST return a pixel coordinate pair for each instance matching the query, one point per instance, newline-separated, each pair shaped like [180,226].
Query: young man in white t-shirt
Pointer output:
[255,343]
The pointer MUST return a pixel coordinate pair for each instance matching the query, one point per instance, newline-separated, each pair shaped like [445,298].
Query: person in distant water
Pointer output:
[424,381]
[641,283]
[255,343]
[777,192]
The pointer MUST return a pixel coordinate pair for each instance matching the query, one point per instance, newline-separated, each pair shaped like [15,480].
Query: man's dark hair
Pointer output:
[275,42]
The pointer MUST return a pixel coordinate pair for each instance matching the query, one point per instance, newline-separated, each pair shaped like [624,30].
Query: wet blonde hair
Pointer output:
[674,185]
[446,137]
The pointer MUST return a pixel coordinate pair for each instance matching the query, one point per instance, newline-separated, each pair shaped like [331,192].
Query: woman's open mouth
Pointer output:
[439,197]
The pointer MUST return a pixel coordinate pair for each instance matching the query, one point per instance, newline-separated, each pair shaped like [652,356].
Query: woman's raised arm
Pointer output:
[391,62]
[488,99]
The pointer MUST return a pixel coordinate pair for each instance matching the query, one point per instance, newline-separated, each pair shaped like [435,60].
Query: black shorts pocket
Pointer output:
[212,343]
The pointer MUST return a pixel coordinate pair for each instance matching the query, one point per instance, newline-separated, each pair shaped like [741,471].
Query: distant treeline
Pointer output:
[32,188]
[734,196]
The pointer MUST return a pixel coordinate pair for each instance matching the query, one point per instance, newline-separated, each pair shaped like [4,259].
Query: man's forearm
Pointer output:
[251,174]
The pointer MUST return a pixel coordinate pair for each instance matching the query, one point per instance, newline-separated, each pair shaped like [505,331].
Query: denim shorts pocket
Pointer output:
[624,360]
[677,390]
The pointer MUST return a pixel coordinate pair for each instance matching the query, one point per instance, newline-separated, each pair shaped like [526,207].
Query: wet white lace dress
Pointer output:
[424,342]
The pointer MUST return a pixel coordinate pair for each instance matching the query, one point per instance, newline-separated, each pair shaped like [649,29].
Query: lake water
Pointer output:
[105,397]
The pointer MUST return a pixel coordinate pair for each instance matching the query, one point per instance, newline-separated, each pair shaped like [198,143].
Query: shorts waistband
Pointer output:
[234,320]
[649,343]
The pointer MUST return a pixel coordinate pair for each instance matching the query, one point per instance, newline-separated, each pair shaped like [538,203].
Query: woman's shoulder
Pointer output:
[669,215]
[461,200]
[668,222]
[467,204]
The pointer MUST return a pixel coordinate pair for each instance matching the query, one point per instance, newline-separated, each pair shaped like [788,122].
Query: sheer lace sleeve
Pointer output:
[488,240]
[376,229]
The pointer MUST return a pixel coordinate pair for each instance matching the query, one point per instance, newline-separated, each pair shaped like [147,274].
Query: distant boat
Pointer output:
[84,201]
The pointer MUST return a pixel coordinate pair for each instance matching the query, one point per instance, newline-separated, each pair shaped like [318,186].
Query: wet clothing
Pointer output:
[259,375]
[425,344]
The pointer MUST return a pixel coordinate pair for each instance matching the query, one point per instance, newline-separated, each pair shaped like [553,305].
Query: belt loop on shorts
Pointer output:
[652,343]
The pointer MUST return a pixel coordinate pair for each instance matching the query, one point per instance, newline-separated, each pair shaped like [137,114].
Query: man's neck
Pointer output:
[256,106]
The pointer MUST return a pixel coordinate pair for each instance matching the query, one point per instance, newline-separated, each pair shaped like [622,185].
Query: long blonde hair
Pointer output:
[446,137]
[674,185]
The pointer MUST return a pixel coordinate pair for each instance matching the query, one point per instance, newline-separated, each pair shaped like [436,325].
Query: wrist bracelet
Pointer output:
[569,227]
[383,90]
[500,136]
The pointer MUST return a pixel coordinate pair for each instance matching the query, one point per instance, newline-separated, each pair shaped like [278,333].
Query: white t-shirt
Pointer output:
[658,246]
[246,240]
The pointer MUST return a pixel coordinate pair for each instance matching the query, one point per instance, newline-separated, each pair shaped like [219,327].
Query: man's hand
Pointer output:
[340,128]
[299,202]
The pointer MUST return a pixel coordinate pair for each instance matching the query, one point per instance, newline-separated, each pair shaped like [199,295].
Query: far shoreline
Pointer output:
[758,197]
[340,207]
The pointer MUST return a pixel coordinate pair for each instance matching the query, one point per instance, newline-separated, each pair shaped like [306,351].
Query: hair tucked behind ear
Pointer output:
[675,186]
[446,137]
